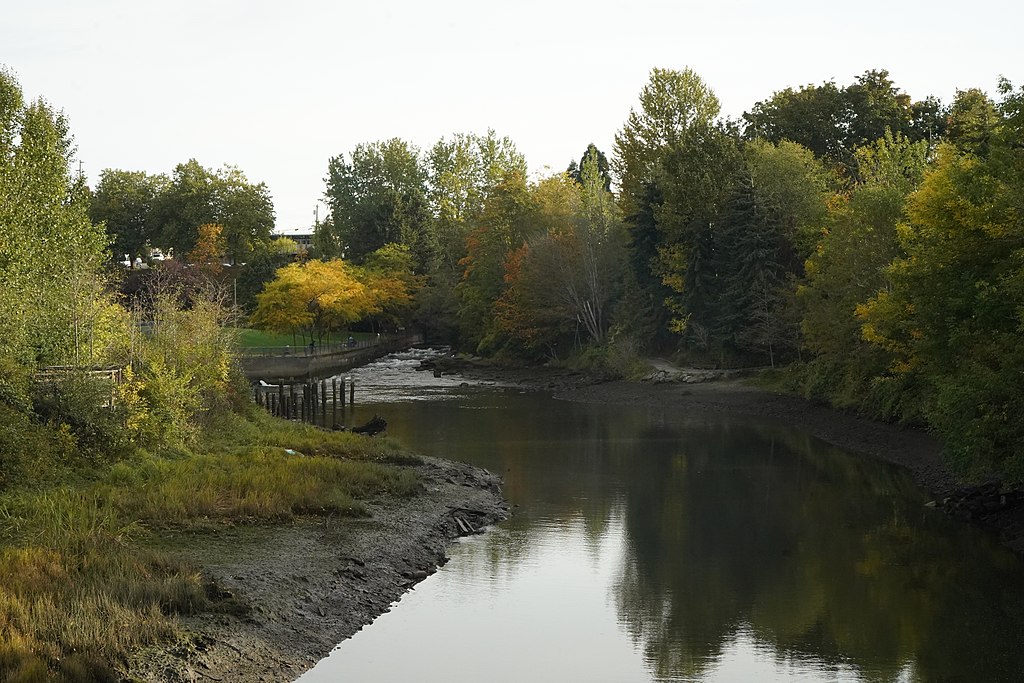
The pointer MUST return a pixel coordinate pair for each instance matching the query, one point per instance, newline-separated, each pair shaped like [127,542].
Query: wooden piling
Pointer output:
[323,402]
[334,402]
[352,393]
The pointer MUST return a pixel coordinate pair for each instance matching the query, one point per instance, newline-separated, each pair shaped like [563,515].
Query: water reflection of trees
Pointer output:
[729,528]
[821,555]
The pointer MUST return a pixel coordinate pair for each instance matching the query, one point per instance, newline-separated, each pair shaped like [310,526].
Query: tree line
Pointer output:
[868,242]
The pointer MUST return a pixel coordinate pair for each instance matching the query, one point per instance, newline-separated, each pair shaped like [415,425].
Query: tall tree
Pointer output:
[671,104]
[677,110]
[954,312]
[698,177]
[123,202]
[50,252]
[378,196]
[509,217]
[575,169]
[461,173]
[848,267]
[972,120]
[198,196]
[833,122]
[561,282]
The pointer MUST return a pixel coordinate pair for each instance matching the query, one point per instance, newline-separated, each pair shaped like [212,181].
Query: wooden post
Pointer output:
[343,395]
[295,408]
[352,393]
[334,402]
[323,402]
[280,400]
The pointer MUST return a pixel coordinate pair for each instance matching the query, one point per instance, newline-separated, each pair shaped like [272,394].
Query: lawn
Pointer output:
[249,338]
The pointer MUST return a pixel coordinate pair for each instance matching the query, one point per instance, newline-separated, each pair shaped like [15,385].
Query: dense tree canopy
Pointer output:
[376,197]
[142,211]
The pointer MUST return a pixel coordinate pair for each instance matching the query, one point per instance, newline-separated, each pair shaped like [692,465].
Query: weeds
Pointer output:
[78,591]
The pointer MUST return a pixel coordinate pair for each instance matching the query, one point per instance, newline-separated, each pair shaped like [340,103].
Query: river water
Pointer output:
[650,546]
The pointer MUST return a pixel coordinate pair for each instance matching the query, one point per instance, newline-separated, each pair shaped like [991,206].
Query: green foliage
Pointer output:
[462,171]
[672,103]
[83,406]
[29,450]
[833,122]
[972,119]
[376,197]
[181,374]
[849,266]
[260,269]
[954,313]
[575,170]
[198,196]
[508,218]
[49,250]
[123,202]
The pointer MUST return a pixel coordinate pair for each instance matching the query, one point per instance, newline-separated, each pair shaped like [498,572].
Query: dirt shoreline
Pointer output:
[312,583]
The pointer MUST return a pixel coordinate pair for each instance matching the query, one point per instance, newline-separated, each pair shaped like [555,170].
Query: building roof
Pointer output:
[292,232]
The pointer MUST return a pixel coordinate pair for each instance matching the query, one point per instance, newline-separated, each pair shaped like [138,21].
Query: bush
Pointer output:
[29,451]
[85,406]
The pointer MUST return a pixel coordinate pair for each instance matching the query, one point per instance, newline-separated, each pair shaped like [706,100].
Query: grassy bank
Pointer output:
[78,586]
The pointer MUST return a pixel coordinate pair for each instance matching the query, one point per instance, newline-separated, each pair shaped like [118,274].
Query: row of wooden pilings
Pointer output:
[317,402]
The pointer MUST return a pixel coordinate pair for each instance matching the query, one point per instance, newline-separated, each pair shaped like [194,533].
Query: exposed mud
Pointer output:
[307,585]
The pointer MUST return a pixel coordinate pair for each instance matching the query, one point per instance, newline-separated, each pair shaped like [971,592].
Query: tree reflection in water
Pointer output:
[817,554]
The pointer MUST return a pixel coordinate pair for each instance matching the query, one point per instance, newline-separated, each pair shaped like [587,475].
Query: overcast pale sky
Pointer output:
[277,88]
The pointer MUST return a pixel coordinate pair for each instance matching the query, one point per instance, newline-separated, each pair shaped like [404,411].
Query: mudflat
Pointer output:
[307,585]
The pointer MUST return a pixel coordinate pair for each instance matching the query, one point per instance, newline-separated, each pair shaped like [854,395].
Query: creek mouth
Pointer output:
[707,532]
[673,532]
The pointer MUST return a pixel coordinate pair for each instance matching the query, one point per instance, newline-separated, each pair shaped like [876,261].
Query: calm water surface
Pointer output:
[651,546]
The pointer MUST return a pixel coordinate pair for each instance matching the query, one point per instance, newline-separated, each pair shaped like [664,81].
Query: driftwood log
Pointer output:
[375,426]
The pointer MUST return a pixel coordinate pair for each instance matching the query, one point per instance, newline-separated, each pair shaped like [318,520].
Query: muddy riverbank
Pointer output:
[305,586]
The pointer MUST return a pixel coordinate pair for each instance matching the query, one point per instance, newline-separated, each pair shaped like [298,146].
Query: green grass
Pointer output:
[80,586]
[249,338]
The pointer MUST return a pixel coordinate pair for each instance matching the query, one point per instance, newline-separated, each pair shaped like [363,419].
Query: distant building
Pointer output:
[302,236]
